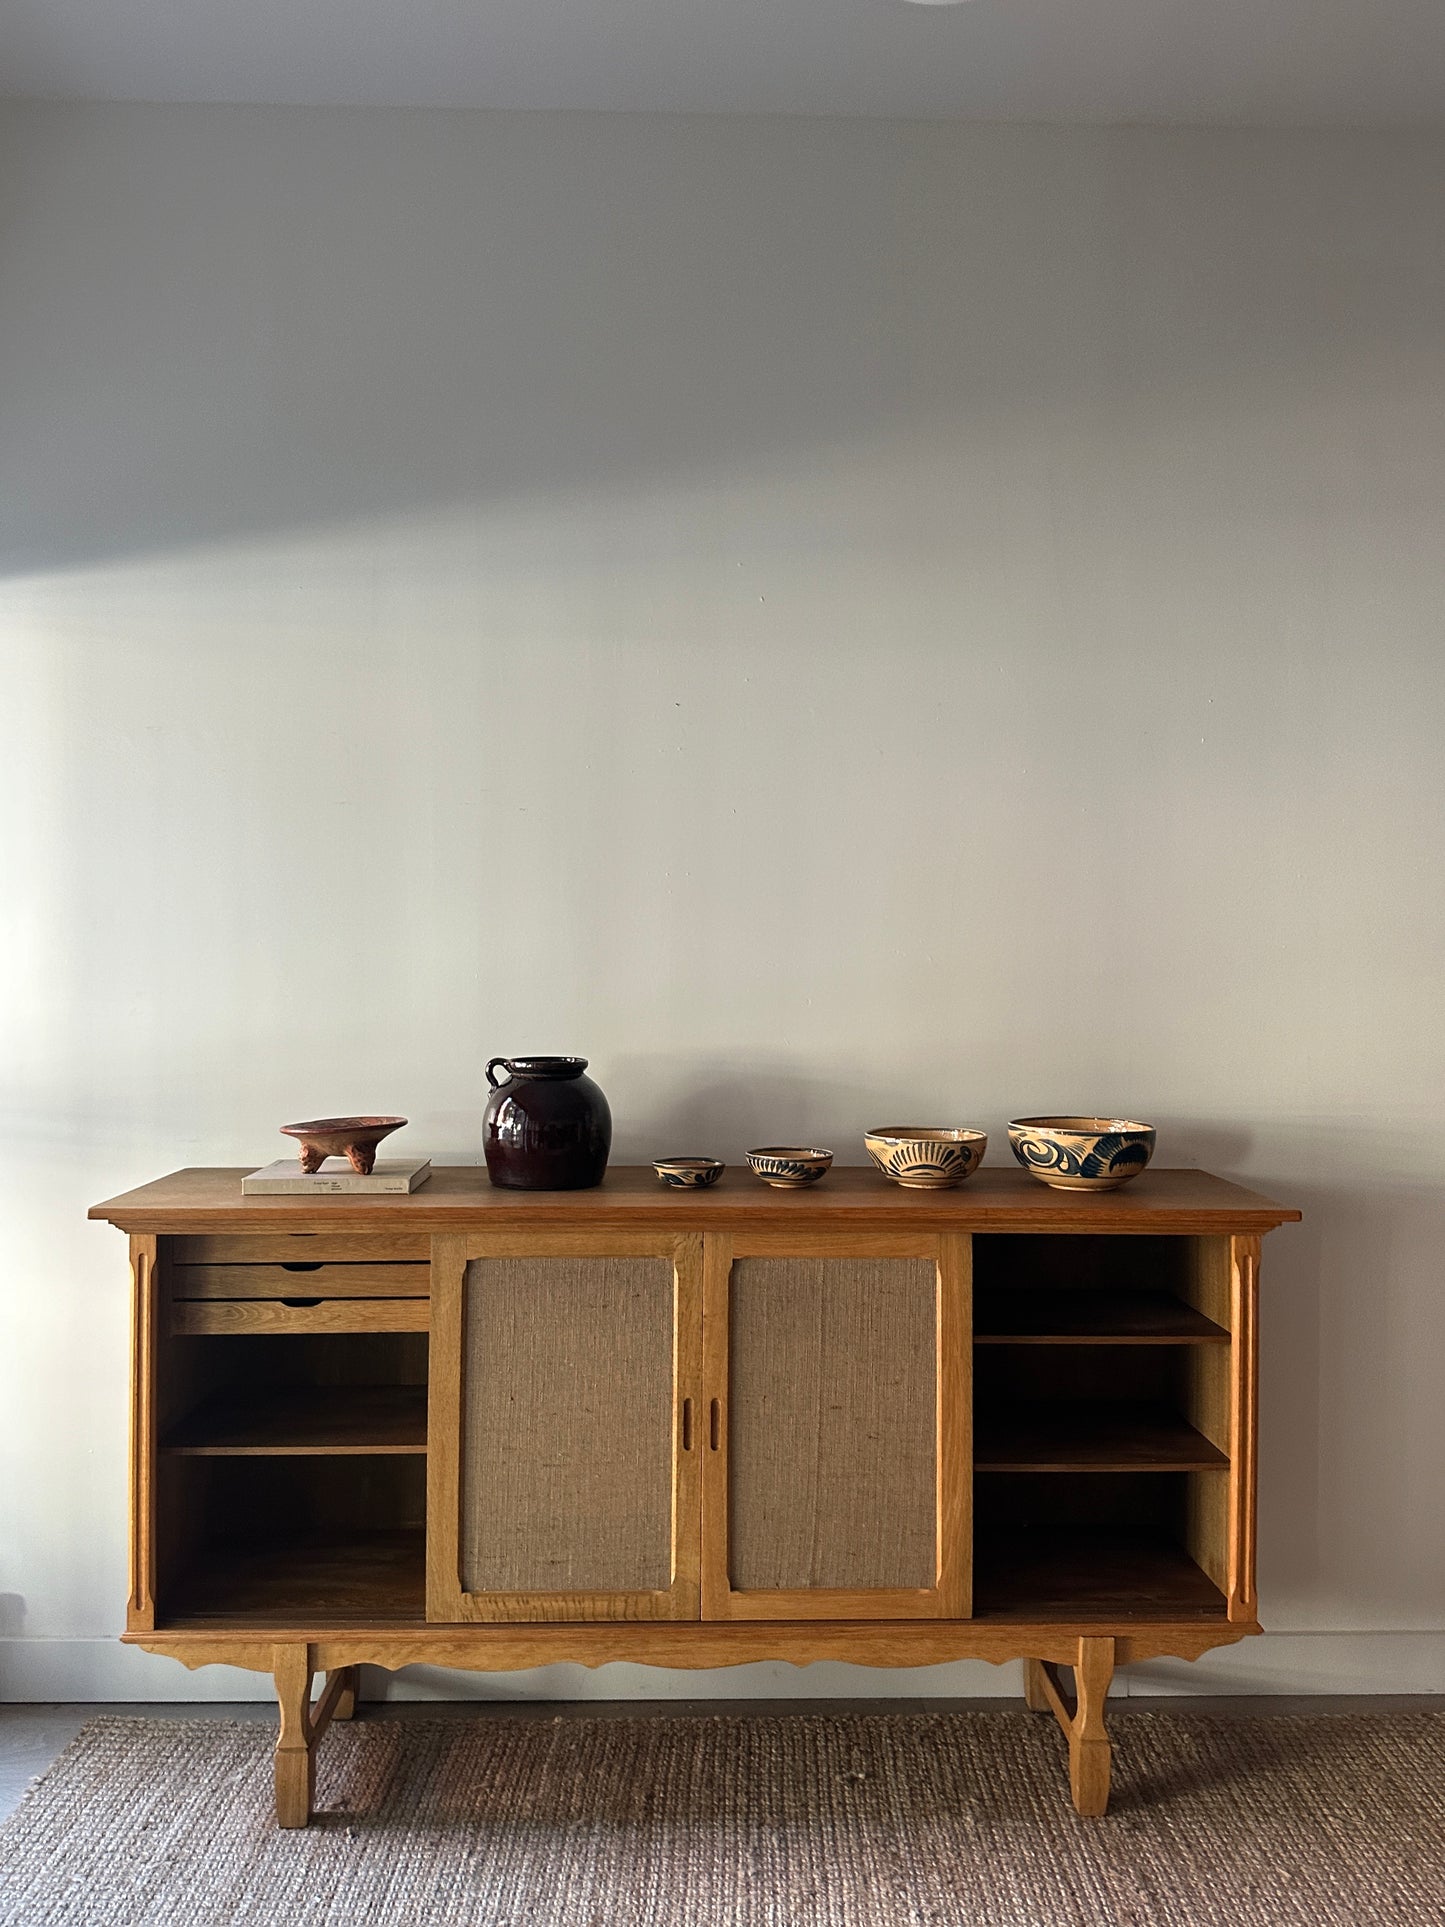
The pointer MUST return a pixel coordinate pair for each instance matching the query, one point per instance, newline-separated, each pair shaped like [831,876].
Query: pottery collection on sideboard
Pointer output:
[548,1127]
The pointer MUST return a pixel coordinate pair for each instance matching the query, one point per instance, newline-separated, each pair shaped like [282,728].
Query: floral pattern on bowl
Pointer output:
[926,1157]
[789,1166]
[1082,1153]
[688,1174]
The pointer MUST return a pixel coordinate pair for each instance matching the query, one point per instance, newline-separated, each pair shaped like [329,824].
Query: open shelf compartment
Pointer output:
[367,1576]
[1124,1408]
[291,1479]
[294,1420]
[293,1540]
[1093,1436]
[1100,1290]
[1100,1546]
[1089,1572]
[343,1392]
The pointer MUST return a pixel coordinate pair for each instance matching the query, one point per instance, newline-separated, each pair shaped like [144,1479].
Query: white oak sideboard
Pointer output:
[496,1429]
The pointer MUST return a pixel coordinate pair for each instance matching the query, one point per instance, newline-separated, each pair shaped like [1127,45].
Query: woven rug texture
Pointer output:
[889,1820]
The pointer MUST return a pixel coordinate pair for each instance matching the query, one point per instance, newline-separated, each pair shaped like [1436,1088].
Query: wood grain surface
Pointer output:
[222,1317]
[295,1279]
[999,1197]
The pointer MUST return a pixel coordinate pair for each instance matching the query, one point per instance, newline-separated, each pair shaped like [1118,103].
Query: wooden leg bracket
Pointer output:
[345,1684]
[1082,1717]
[302,1726]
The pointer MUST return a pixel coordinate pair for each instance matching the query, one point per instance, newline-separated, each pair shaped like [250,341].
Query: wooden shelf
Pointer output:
[1027,1317]
[1079,1436]
[310,1420]
[366,1578]
[1082,1573]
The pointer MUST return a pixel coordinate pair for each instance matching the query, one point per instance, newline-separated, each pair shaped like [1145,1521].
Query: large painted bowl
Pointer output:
[1082,1153]
[925,1157]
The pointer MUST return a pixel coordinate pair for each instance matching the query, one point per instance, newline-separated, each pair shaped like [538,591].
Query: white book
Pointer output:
[286,1179]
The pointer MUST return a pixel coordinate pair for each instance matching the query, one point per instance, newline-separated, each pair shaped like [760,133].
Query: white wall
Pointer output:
[828,619]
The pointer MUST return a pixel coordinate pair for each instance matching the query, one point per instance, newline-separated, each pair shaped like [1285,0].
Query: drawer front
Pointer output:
[276,1247]
[232,1317]
[300,1278]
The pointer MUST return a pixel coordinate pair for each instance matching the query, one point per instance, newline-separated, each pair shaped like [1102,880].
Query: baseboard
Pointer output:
[1279,1663]
[1311,1663]
[103,1669]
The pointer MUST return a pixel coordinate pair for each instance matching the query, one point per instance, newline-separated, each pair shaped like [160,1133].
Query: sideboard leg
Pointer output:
[345,1683]
[296,1740]
[1035,1698]
[1089,1749]
[1082,1720]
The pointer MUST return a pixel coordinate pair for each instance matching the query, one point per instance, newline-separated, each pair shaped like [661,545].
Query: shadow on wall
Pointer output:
[219,322]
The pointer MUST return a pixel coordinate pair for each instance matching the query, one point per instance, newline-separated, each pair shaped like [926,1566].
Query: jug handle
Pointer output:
[496,1086]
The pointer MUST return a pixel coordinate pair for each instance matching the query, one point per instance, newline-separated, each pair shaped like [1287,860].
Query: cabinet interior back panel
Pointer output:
[832,1426]
[567,1425]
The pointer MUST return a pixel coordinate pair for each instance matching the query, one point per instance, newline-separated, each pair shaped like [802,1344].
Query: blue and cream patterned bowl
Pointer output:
[789,1165]
[1082,1153]
[688,1174]
[925,1157]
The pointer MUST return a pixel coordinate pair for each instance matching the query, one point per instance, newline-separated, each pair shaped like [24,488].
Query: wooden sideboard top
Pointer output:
[997,1198]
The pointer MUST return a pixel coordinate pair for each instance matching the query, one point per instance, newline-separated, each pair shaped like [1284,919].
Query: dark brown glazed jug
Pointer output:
[548,1128]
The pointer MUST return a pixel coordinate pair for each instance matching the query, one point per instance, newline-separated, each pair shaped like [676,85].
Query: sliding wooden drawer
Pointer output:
[300,1280]
[277,1247]
[231,1317]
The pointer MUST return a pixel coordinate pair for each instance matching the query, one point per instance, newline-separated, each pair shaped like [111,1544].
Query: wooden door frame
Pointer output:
[145,1342]
[1240,1590]
[446,1599]
[950,1597]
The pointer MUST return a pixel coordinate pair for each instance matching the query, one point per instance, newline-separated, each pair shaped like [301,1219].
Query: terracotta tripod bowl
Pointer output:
[354,1138]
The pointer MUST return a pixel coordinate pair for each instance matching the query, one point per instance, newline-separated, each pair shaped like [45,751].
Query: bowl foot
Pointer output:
[1082,1184]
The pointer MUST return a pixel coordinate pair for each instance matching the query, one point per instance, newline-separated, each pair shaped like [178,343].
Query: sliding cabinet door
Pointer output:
[835,1426]
[563,1466]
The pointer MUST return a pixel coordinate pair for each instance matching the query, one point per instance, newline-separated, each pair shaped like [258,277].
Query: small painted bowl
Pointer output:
[354,1138]
[926,1157]
[688,1174]
[1082,1153]
[789,1166]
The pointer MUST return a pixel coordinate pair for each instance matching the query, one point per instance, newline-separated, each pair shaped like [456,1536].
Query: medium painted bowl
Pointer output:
[1082,1153]
[926,1157]
[688,1174]
[354,1138]
[789,1166]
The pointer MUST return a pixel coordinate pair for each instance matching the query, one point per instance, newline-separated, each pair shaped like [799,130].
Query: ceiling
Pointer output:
[1232,62]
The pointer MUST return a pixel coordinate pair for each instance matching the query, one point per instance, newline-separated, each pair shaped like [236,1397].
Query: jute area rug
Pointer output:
[798,1821]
